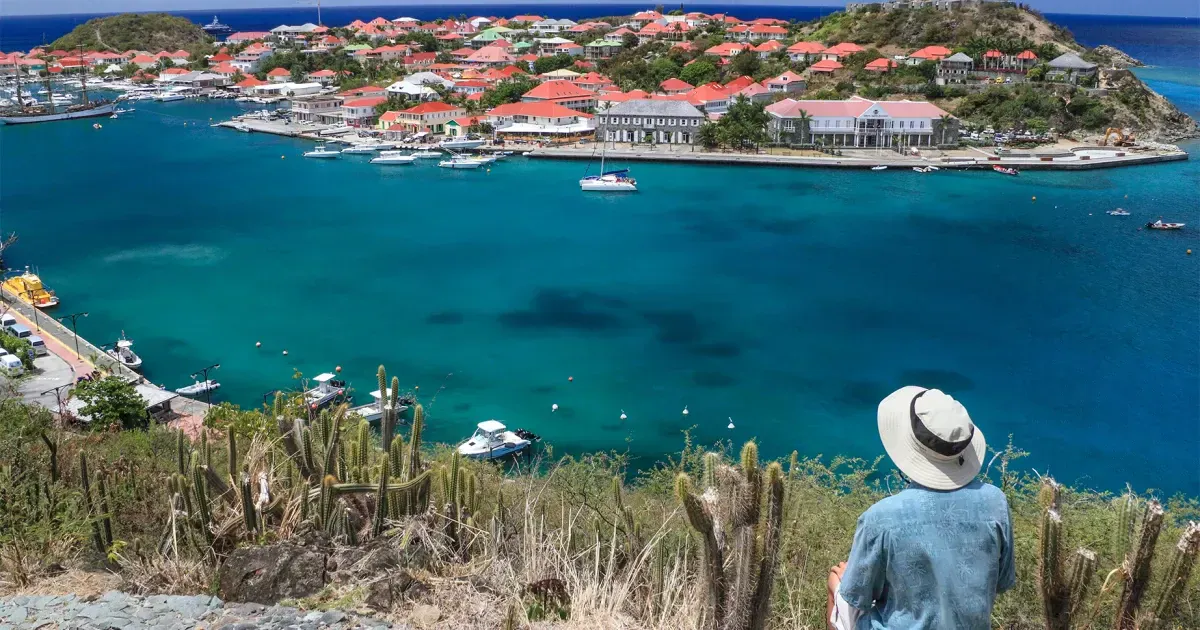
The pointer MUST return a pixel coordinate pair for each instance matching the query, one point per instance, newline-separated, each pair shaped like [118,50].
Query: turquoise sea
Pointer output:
[789,300]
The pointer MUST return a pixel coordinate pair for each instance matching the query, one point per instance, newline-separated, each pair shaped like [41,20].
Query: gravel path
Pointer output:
[119,611]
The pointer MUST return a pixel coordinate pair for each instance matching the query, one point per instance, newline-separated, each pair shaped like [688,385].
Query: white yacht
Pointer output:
[492,440]
[321,153]
[425,154]
[167,97]
[123,352]
[359,149]
[199,387]
[486,159]
[461,143]
[373,411]
[393,157]
[460,162]
[326,391]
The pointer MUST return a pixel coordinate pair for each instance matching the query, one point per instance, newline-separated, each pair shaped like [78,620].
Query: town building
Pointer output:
[551,26]
[562,92]
[322,109]
[861,123]
[787,83]
[655,121]
[1071,68]
[956,68]
[540,121]
[360,112]
[602,49]
[806,52]
[428,117]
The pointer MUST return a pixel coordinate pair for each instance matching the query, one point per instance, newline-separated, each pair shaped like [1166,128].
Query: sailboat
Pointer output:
[50,113]
[608,181]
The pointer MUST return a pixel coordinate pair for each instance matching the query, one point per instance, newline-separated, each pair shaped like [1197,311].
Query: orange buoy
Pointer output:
[1189,252]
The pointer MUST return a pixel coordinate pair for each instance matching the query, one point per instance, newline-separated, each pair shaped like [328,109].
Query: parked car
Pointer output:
[10,364]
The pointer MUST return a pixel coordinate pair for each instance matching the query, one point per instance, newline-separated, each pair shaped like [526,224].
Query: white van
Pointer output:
[39,346]
[12,365]
[7,319]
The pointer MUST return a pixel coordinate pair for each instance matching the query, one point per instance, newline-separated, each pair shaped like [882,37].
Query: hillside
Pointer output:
[136,31]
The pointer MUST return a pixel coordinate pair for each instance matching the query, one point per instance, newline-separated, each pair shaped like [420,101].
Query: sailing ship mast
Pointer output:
[83,77]
[20,103]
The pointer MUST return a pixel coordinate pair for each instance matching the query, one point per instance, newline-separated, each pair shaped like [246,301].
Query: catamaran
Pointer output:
[608,181]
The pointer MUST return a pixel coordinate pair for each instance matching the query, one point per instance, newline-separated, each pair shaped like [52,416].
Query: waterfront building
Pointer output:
[360,112]
[1070,67]
[563,93]
[860,123]
[460,127]
[655,121]
[427,117]
[286,89]
[420,86]
[323,109]
[540,120]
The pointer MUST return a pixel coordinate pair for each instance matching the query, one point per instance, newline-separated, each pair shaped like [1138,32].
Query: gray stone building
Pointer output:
[1072,68]
[645,121]
[956,68]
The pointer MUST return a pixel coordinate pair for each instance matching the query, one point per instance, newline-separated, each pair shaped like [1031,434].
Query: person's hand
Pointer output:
[835,576]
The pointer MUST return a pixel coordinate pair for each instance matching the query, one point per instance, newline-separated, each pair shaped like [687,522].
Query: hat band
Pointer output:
[929,439]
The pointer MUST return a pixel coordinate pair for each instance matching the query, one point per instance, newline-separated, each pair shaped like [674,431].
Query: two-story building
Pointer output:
[551,26]
[956,68]
[540,120]
[860,123]
[1071,68]
[658,121]
[322,109]
[562,92]
[427,117]
[360,112]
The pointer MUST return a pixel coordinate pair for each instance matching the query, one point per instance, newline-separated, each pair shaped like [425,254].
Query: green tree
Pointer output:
[744,63]
[549,64]
[19,348]
[298,74]
[111,401]
[709,136]
[744,124]
[1038,72]
[699,72]
[508,91]
[394,102]
[629,41]
[662,69]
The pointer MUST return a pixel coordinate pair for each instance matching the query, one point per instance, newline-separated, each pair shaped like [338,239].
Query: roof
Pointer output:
[389,116]
[883,63]
[360,91]
[366,101]
[853,108]
[250,82]
[739,83]
[993,54]
[1027,54]
[646,107]
[674,85]
[708,92]
[490,54]
[958,57]
[558,89]
[1071,61]
[786,77]
[930,52]
[466,121]
[543,109]
[432,107]
[728,48]
[322,73]
[279,72]
[826,65]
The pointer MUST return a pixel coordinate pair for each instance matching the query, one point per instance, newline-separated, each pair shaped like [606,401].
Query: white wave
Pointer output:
[194,255]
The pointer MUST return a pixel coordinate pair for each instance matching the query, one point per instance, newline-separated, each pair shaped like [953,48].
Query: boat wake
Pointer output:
[193,255]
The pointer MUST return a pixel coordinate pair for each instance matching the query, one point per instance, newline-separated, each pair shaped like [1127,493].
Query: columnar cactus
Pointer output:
[86,483]
[1182,563]
[1062,588]
[105,509]
[233,452]
[249,516]
[381,500]
[1126,505]
[633,543]
[182,455]
[1136,569]
[414,443]
[200,490]
[737,579]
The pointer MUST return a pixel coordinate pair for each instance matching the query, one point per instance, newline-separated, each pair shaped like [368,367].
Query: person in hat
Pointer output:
[936,554]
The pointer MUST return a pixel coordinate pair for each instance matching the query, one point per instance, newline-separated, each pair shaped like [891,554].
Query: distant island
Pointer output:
[137,31]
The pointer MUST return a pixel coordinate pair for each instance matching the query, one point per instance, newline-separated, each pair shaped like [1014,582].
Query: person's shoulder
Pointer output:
[988,497]
[887,508]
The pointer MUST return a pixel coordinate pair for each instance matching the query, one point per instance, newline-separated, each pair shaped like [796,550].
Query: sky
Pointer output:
[1171,8]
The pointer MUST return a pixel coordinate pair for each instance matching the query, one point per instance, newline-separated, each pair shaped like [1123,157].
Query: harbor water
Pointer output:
[791,300]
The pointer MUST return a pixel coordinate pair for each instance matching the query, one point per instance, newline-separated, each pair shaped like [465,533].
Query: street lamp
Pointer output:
[63,412]
[73,317]
[207,389]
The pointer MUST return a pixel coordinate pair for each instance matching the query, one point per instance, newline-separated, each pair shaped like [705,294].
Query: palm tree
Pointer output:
[803,119]
[945,120]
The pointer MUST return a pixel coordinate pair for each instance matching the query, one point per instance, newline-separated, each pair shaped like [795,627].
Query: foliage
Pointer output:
[1007,26]
[1005,107]
[394,103]
[745,63]
[743,126]
[555,62]
[111,401]
[699,72]
[18,347]
[137,31]
[509,90]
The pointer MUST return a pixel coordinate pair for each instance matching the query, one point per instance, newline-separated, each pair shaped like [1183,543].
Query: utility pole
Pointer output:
[207,389]
[73,317]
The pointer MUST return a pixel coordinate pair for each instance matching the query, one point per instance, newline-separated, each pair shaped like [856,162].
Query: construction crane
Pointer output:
[1119,138]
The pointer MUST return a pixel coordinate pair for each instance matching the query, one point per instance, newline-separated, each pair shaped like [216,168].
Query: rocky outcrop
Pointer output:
[268,574]
[1115,58]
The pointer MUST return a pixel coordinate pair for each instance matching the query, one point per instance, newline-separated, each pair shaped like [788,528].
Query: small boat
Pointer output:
[321,153]
[425,155]
[327,391]
[461,143]
[881,167]
[199,387]
[612,181]
[492,440]
[486,159]
[1005,170]
[359,149]
[918,169]
[373,411]
[1119,212]
[1159,225]
[123,352]
[383,146]
[28,286]
[930,169]
[167,97]
[393,157]
[242,127]
[460,162]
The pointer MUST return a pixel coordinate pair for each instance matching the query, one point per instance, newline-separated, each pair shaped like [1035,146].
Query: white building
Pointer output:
[860,123]
[551,26]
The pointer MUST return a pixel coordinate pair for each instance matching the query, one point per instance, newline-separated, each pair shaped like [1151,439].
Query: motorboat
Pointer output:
[242,127]
[460,162]
[122,351]
[1119,212]
[486,159]
[492,440]
[373,411]
[930,169]
[167,97]
[199,387]
[29,288]
[1005,170]
[327,391]
[425,154]
[359,149]
[612,181]
[62,99]
[393,157]
[461,143]
[383,146]
[881,167]
[321,153]
[1159,225]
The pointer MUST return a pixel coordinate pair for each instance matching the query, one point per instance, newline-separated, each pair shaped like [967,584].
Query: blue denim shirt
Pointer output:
[931,559]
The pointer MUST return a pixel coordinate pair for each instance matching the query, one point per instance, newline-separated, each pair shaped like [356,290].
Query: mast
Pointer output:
[20,102]
[83,77]
[50,92]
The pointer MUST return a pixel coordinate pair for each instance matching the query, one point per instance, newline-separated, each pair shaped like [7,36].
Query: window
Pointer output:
[661,122]
[922,124]
[696,122]
[625,120]
[789,125]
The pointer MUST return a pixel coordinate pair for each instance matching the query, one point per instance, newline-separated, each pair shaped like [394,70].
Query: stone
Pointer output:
[312,616]
[270,573]
[145,613]
[332,616]
[425,615]
[113,623]
[93,611]
[17,614]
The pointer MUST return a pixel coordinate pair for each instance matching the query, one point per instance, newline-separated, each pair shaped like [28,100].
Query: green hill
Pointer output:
[136,31]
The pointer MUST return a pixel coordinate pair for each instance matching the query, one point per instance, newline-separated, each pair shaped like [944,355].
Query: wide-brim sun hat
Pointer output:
[930,437]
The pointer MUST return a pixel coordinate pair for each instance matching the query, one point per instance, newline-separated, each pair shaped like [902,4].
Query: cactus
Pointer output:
[395,455]
[362,456]
[737,580]
[325,504]
[105,509]
[633,545]
[381,502]
[233,453]
[203,515]
[181,455]
[414,442]
[1180,570]
[249,516]
[387,422]
[1062,588]
[1123,532]
[52,447]
[85,481]
[1136,569]
[793,466]
[205,452]
[1079,578]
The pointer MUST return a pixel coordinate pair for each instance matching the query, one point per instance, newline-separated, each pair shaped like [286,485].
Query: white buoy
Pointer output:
[685,411]
[623,416]
[554,407]
[730,423]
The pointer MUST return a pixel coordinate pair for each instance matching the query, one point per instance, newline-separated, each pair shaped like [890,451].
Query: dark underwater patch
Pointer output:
[462,407]
[675,327]
[553,309]
[717,350]
[707,378]
[445,318]
[863,394]
[945,380]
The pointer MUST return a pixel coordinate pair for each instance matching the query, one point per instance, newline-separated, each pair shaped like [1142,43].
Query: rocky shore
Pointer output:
[120,611]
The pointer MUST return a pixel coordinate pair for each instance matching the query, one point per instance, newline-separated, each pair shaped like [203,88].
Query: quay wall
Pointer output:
[47,325]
